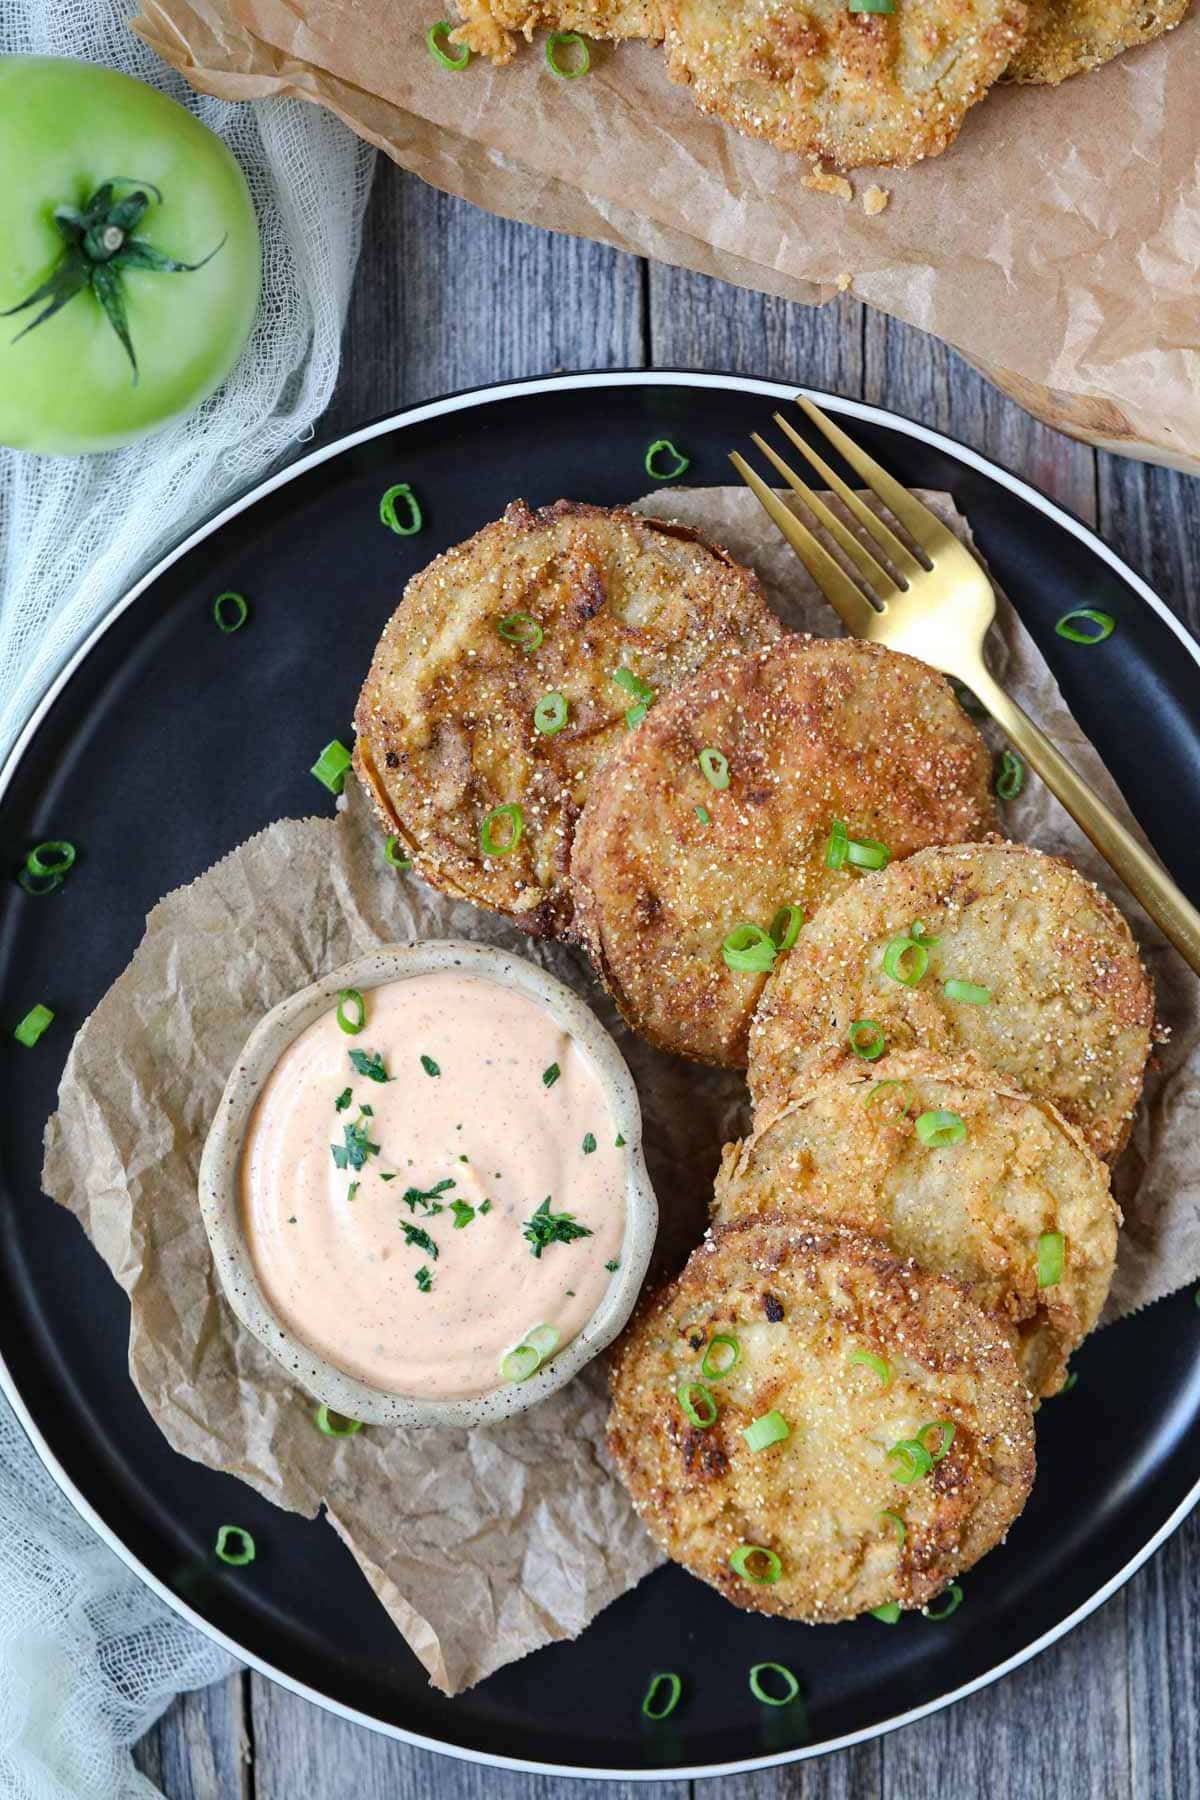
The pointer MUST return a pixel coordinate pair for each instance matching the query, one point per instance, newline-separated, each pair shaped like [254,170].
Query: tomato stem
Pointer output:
[98,244]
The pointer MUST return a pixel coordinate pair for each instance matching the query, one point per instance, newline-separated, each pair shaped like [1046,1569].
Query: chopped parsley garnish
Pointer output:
[427,1197]
[463,1213]
[429,1066]
[368,1112]
[463,1157]
[485,1208]
[357,1148]
[545,1228]
[343,1100]
[368,1063]
[620,1144]
[353,1189]
[390,1177]
[612,1266]
[416,1235]
[423,1279]
[551,1075]
[589,1144]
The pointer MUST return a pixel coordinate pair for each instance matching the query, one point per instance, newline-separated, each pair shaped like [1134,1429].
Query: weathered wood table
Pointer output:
[446,298]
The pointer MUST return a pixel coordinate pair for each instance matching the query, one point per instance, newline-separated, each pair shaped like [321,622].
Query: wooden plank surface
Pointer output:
[447,298]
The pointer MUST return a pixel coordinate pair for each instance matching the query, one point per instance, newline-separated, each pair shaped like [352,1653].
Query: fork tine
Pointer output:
[853,547]
[883,534]
[848,601]
[925,527]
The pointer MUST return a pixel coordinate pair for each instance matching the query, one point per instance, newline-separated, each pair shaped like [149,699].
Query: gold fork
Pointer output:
[941,614]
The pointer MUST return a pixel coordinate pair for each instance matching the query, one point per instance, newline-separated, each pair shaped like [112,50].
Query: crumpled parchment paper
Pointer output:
[482,1545]
[1055,244]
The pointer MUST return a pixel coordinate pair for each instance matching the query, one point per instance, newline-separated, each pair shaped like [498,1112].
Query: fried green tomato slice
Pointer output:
[1067,37]
[988,1207]
[505,676]
[490,27]
[858,87]
[805,736]
[855,1353]
[1026,966]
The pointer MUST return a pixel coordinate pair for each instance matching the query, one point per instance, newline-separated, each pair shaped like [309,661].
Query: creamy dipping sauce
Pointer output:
[403,1259]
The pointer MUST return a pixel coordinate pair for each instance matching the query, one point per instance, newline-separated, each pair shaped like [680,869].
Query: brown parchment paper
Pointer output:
[482,1545]
[1056,243]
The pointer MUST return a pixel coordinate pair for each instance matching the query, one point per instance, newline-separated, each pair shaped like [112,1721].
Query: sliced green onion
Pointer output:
[871,6]
[910,1461]
[953,1600]
[550,714]
[351,1011]
[335,1424]
[939,1129]
[679,463]
[514,819]
[837,848]
[330,767]
[906,959]
[791,1685]
[968,992]
[230,612]
[1010,775]
[881,1087]
[878,1364]
[1050,1258]
[633,684]
[402,492]
[436,36]
[1102,625]
[945,1429]
[770,1428]
[519,1364]
[636,714]
[704,816]
[521,629]
[235,1546]
[714,766]
[748,950]
[544,1339]
[394,856]
[52,858]
[865,853]
[716,1367]
[32,1025]
[702,1411]
[867,1040]
[785,927]
[919,935]
[740,1563]
[1069,1383]
[565,40]
[654,1708]
[888,1613]
[38,884]
[897,1523]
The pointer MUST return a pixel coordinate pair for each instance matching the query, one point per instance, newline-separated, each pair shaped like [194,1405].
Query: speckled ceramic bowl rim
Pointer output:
[221,1162]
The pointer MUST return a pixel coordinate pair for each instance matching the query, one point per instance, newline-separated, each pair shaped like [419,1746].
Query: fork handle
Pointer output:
[1141,872]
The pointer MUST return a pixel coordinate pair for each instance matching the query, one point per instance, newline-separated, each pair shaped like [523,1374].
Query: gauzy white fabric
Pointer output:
[89,1657]
[74,532]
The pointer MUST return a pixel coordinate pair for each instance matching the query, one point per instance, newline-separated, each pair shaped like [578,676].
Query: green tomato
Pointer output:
[141,223]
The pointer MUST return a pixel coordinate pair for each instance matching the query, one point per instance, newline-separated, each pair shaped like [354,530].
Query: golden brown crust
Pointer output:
[846,1151]
[800,1300]
[857,87]
[1072,1007]
[445,719]
[813,729]
[490,26]
[1068,36]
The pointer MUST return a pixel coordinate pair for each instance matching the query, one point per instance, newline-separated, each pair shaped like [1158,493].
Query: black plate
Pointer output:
[168,744]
